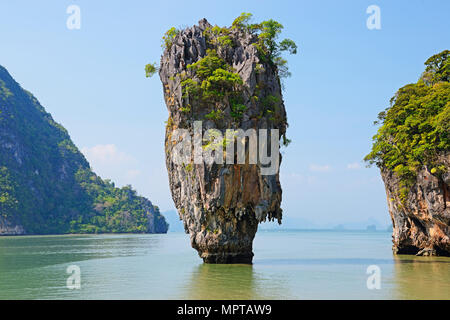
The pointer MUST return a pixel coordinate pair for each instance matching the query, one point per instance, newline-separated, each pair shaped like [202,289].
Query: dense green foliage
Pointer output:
[46,184]
[437,68]
[219,36]
[8,202]
[216,79]
[415,128]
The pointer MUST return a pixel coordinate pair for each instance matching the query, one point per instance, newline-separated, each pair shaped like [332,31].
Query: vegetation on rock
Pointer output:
[212,81]
[415,129]
[168,37]
[228,78]
[267,31]
[216,82]
[150,69]
[270,49]
[46,184]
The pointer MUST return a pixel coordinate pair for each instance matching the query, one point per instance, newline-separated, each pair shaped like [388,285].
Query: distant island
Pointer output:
[47,185]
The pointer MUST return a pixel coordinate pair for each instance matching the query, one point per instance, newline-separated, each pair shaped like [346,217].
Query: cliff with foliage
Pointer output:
[46,184]
[228,78]
[412,149]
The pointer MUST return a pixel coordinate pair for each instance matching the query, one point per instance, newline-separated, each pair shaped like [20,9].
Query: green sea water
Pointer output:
[287,265]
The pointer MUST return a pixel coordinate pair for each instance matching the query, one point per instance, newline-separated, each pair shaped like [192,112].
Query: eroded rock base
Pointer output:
[421,222]
[227,258]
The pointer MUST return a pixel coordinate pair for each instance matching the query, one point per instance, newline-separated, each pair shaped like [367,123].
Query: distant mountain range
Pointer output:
[289,222]
[371,224]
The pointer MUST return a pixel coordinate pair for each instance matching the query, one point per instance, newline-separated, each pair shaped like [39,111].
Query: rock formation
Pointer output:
[9,229]
[421,223]
[221,204]
[412,150]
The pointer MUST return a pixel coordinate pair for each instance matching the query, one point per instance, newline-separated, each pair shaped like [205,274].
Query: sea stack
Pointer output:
[412,150]
[219,79]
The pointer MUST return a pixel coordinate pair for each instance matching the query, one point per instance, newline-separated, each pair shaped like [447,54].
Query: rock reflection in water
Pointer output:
[223,282]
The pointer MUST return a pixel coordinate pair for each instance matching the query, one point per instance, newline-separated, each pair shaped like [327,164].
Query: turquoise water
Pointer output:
[287,265]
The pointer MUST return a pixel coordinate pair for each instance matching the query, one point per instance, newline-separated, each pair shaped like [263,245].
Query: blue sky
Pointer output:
[92,81]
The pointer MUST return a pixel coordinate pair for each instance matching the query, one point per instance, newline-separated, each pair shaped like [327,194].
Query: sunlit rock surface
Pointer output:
[421,225]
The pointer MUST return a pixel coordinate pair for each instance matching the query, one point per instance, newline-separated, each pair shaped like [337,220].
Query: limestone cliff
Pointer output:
[10,229]
[221,204]
[412,150]
[421,223]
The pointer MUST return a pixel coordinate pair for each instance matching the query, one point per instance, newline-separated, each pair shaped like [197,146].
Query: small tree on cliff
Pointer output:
[270,49]
[438,68]
[150,69]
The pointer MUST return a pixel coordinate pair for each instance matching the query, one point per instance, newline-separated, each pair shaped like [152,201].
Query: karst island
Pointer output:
[223,91]
[411,149]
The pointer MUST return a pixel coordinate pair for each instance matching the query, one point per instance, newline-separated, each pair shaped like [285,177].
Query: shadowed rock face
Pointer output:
[421,225]
[8,229]
[221,204]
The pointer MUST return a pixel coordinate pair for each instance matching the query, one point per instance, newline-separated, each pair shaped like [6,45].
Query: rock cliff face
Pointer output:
[9,229]
[222,204]
[421,224]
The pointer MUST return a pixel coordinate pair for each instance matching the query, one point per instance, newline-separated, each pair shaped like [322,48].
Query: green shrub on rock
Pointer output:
[415,128]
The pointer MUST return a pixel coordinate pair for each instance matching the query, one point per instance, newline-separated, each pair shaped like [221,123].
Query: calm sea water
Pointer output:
[287,265]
